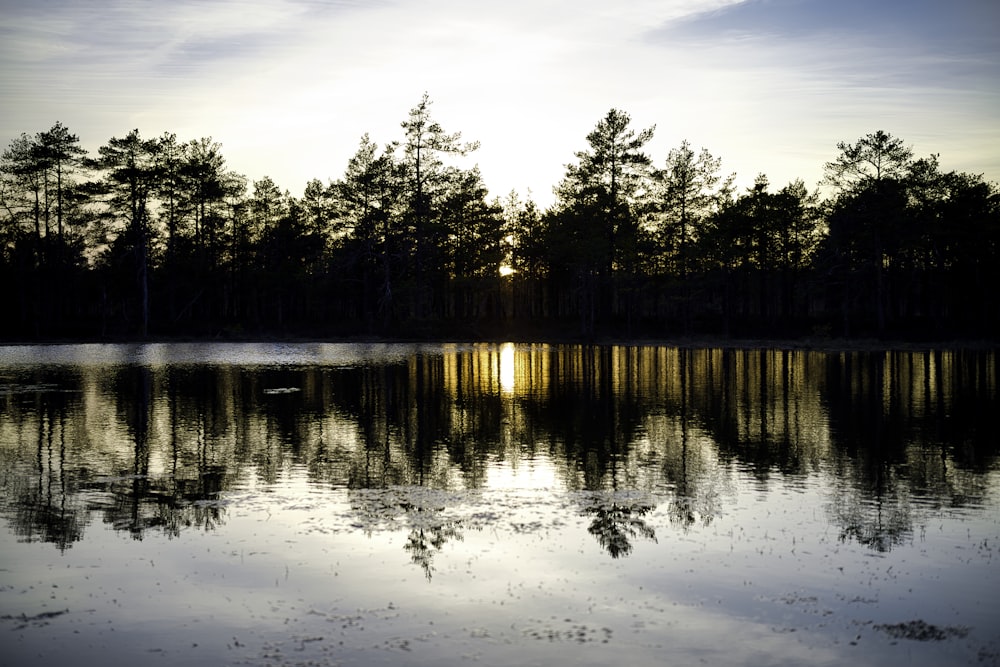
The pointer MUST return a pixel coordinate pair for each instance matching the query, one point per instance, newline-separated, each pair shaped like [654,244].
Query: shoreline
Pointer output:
[687,342]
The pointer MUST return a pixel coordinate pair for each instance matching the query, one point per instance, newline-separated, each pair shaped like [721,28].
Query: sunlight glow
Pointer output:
[507,368]
[507,270]
[763,93]
[529,474]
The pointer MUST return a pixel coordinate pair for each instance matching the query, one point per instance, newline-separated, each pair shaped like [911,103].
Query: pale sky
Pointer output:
[289,86]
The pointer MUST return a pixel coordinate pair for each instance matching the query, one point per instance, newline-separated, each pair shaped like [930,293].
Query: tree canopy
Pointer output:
[158,237]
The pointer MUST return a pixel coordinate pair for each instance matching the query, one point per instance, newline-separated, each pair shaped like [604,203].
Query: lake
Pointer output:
[451,504]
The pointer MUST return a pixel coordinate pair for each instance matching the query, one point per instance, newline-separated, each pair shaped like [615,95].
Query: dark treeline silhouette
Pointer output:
[157,237]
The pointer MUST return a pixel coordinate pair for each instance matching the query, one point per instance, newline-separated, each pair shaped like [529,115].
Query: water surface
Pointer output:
[500,504]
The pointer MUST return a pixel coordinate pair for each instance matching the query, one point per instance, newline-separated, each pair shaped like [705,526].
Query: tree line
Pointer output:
[158,237]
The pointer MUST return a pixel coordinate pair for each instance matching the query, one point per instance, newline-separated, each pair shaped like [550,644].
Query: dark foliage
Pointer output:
[156,237]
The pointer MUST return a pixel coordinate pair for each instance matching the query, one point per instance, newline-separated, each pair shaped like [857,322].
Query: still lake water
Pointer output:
[327,504]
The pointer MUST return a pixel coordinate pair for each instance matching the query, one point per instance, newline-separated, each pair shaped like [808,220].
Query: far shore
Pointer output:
[818,344]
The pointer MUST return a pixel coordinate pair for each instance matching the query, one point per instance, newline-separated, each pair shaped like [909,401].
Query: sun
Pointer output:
[506,270]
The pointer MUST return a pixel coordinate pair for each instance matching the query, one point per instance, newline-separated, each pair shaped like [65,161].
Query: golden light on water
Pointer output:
[534,474]
[507,373]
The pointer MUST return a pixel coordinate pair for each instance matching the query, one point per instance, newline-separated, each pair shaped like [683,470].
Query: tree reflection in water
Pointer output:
[426,515]
[423,543]
[617,522]
[158,447]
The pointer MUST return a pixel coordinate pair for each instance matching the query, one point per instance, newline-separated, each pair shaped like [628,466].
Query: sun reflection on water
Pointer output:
[538,473]
[507,373]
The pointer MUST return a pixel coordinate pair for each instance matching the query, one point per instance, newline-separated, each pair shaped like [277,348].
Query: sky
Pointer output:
[288,87]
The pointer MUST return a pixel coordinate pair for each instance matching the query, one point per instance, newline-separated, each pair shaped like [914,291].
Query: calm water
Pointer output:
[499,505]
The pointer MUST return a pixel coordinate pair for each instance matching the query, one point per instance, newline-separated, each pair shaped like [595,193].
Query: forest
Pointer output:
[158,238]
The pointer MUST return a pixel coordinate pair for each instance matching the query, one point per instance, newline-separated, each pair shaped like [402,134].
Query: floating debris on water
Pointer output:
[37,620]
[922,631]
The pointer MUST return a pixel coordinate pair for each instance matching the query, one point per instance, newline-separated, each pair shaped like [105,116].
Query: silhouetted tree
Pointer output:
[689,190]
[525,254]
[873,159]
[424,143]
[369,200]
[269,210]
[317,208]
[204,173]
[868,176]
[949,260]
[595,226]
[60,153]
[473,248]
[763,242]
[23,177]
[172,194]
[43,218]
[610,182]
[131,172]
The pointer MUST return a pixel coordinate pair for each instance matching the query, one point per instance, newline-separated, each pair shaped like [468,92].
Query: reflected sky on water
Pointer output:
[506,504]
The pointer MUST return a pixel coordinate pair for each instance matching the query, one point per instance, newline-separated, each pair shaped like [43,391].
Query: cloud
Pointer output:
[966,24]
[289,86]
[800,71]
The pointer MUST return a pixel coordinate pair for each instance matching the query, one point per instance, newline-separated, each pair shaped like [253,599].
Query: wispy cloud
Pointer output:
[289,86]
